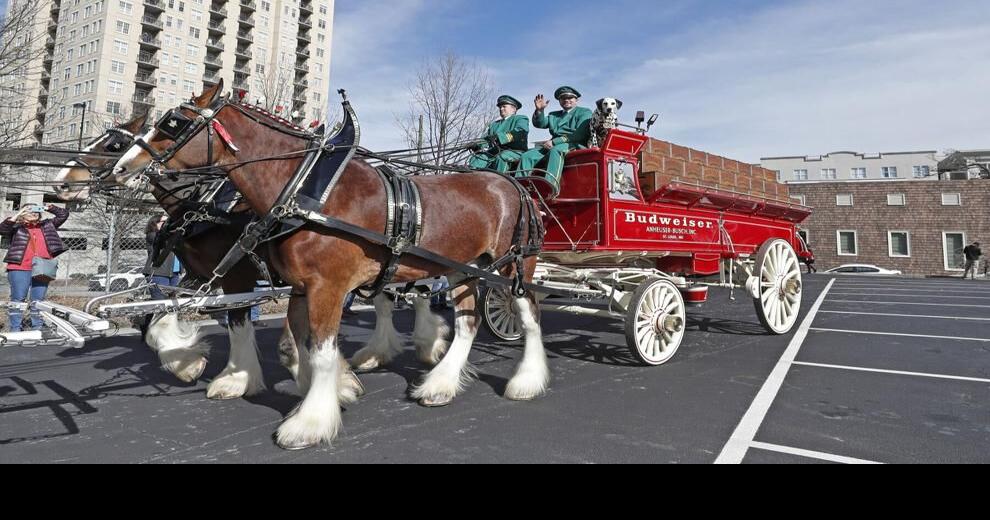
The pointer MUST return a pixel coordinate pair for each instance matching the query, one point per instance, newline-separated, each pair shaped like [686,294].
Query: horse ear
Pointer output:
[618,104]
[601,104]
[136,124]
[209,95]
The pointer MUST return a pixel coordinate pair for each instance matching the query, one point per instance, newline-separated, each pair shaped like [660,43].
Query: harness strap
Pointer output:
[403,228]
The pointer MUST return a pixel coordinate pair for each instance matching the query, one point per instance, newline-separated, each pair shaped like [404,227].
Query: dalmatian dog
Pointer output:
[605,119]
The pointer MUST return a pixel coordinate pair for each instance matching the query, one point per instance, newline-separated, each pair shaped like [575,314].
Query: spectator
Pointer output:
[167,274]
[973,254]
[809,261]
[31,238]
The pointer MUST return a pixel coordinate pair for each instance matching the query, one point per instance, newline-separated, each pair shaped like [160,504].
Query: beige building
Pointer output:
[852,167]
[120,58]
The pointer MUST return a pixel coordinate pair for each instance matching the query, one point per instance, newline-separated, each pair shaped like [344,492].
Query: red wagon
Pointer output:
[649,258]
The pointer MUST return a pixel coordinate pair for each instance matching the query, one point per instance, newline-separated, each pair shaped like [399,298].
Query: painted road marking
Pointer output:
[735,449]
[910,303]
[957,338]
[894,372]
[810,454]
[953,297]
[904,315]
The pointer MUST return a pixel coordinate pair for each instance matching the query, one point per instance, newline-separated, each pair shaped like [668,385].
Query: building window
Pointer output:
[800,199]
[951,199]
[120,47]
[896,199]
[848,243]
[115,87]
[123,27]
[920,172]
[803,233]
[953,244]
[843,200]
[800,175]
[829,174]
[117,67]
[858,173]
[113,107]
[899,243]
[889,172]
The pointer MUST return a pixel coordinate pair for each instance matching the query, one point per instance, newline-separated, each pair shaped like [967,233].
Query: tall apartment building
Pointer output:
[120,58]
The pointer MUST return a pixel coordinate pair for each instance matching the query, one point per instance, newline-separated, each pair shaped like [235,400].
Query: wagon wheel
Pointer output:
[655,322]
[498,311]
[779,295]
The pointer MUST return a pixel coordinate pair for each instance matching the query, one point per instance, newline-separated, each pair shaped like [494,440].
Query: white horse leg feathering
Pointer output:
[430,333]
[453,374]
[385,344]
[242,376]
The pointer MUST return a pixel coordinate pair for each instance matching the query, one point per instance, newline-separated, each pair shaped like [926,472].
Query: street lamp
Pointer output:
[82,124]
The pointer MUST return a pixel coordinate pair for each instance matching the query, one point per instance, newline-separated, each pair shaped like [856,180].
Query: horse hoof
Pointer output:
[368,366]
[295,447]
[435,402]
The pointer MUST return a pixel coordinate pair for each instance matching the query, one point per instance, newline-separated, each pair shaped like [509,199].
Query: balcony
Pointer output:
[216,10]
[302,84]
[56,7]
[143,98]
[211,79]
[213,62]
[50,42]
[242,69]
[247,21]
[304,36]
[306,22]
[146,80]
[245,36]
[43,93]
[303,53]
[154,23]
[149,41]
[248,6]
[215,45]
[217,27]
[240,85]
[147,59]
[39,130]
[243,52]
[46,75]
[302,67]
[157,6]
[306,7]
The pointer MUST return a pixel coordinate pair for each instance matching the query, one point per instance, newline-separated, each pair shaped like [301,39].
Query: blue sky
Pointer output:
[747,79]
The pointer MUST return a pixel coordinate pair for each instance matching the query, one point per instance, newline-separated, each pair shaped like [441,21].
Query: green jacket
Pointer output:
[512,133]
[573,128]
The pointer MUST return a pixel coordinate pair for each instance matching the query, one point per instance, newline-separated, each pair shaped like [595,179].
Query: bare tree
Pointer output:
[22,45]
[454,97]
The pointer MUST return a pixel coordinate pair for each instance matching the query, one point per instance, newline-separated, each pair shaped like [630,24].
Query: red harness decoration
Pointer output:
[225,136]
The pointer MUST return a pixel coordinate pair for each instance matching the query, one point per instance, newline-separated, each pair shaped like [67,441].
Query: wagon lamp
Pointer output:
[652,121]
[640,118]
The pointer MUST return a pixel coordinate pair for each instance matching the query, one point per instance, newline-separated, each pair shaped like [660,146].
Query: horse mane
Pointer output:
[285,123]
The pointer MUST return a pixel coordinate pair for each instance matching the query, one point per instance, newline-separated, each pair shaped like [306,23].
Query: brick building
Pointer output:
[917,227]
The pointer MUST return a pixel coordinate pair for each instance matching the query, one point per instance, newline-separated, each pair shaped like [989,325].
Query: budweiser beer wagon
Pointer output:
[648,259]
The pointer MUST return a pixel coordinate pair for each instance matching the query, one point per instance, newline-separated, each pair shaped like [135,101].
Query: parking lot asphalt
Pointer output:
[880,370]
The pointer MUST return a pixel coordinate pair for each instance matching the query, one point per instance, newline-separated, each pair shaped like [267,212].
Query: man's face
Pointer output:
[507,110]
[568,102]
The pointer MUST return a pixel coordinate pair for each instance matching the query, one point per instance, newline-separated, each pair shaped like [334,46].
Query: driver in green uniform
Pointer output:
[570,130]
[506,140]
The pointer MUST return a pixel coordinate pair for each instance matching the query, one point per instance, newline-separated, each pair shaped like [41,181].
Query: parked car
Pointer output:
[129,279]
[863,269]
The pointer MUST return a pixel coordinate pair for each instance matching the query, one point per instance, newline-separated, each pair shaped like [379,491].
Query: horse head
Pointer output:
[79,171]
[176,141]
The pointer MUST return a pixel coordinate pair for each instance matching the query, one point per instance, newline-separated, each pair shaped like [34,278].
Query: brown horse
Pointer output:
[467,218]
[178,344]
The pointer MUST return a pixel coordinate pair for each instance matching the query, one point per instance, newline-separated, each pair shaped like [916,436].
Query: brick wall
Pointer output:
[664,162]
[923,216]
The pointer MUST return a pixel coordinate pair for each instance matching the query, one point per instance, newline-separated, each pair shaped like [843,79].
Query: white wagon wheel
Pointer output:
[655,322]
[499,313]
[778,298]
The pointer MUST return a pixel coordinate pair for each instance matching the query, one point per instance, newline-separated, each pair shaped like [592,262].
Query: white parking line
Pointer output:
[735,449]
[895,372]
[907,303]
[904,315]
[953,297]
[957,338]
[810,454]
[891,289]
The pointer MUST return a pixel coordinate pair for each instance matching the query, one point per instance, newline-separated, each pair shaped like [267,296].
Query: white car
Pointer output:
[133,277]
[863,269]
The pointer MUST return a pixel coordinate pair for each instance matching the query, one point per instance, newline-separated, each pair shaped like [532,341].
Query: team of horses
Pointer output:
[469,218]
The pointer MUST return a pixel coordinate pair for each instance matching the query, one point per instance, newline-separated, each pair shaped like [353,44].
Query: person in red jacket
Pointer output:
[30,237]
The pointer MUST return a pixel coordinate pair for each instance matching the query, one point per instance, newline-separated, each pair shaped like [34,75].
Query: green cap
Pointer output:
[566,91]
[509,100]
